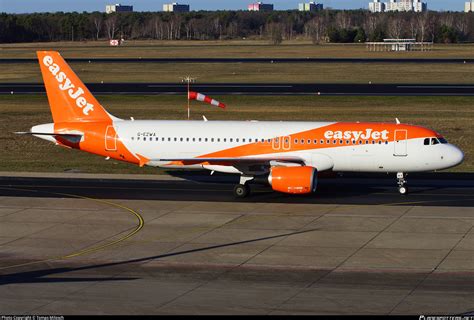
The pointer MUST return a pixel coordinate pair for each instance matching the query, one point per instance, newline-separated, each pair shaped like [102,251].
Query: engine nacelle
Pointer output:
[293,180]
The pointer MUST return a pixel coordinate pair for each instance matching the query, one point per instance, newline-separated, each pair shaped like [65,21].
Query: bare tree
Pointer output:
[158,28]
[316,29]
[217,25]
[343,20]
[462,24]
[274,31]
[423,26]
[370,23]
[97,20]
[111,26]
[414,27]
[189,28]
[395,26]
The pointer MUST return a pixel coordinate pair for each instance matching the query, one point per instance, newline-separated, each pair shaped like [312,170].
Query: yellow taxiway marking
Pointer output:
[93,249]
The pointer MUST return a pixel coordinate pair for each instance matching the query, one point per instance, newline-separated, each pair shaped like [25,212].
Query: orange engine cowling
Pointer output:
[294,180]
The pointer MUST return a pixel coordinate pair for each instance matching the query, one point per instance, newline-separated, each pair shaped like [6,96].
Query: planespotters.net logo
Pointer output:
[66,84]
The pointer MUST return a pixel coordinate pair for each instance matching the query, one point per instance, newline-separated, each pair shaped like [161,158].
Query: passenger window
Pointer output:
[133,138]
[230,140]
[341,142]
[200,139]
[322,141]
[296,141]
[315,141]
[302,141]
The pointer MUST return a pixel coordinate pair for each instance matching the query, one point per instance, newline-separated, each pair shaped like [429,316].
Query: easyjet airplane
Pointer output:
[287,155]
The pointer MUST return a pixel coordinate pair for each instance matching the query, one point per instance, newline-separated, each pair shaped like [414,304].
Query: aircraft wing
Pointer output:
[265,160]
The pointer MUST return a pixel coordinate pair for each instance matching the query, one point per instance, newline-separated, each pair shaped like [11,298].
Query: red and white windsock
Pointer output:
[201,97]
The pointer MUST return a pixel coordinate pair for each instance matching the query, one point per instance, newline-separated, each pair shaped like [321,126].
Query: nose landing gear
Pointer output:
[401,183]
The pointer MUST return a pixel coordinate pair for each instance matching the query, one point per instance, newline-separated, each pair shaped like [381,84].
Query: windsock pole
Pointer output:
[189,113]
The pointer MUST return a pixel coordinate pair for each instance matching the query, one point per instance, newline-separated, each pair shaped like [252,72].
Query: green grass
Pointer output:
[255,72]
[451,116]
[224,49]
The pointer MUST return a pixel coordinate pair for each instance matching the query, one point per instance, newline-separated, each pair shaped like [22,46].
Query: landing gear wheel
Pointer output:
[403,190]
[401,181]
[241,191]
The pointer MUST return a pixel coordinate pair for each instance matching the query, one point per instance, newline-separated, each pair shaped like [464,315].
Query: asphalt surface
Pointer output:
[259,89]
[248,60]
[65,249]
[425,190]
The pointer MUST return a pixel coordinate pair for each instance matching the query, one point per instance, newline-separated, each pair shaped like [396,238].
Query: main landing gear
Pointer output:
[401,183]
[242,190]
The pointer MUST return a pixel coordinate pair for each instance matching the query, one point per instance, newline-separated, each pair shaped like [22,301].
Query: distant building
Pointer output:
[111,8]
[419,6]
[398,5]
[469,7]
[377,6]
[259,6]
[311,6]
[399,45]
[175,7]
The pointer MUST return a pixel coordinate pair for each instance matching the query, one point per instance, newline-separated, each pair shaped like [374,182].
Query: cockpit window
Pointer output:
[434,141]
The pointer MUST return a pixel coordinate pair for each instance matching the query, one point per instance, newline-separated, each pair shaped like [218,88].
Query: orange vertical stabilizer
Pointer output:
[69,99]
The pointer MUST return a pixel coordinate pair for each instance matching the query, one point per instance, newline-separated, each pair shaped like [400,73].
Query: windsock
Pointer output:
[201,97]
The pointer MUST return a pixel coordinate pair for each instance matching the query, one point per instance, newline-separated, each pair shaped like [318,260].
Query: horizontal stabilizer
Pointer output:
[64,135]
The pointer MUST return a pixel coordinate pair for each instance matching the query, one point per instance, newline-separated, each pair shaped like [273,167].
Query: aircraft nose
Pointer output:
[455,156]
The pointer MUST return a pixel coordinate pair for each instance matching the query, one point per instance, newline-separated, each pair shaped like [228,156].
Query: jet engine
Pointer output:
[293,180]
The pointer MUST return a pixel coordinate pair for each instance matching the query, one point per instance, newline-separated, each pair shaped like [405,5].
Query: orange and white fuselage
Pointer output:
[248,148]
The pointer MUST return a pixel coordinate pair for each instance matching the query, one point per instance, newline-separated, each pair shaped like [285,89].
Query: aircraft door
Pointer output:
[276,143]
[400,143]
[286,141]
[110,139]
